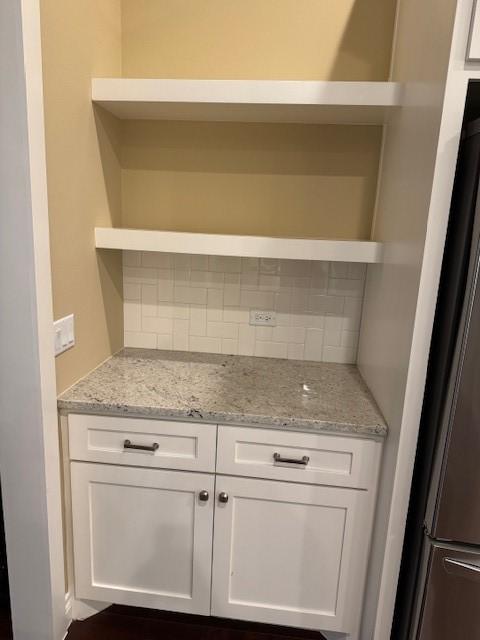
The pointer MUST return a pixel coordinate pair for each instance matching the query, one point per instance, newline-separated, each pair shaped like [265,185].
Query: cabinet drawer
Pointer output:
[169,445]
[322,459]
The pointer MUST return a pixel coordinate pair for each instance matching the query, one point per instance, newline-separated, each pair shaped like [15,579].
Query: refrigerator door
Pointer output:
[451,605]
[457,509]
[453,510]
[457,269]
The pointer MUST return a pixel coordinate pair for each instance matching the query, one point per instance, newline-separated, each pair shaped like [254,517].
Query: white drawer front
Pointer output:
[181,445]
[322,459]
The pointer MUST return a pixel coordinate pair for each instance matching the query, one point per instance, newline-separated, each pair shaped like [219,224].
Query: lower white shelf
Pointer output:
[248,100]
[236,245]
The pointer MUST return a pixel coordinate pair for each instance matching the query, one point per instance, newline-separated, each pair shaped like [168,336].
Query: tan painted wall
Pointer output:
[264,39]
[286,180]
[253,179]
[81,40]
[265,179]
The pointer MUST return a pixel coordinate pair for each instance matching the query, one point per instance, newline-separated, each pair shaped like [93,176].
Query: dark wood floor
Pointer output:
[124,623]
[5,624]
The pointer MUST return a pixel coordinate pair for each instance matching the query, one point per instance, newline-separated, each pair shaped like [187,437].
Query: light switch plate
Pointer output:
[64,331]
[263,318]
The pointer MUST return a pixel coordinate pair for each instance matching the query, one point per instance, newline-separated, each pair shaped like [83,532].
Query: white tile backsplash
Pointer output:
[149,298]
[132,291]
[140,340]
[165,341]
[296,351]
[246,340]
[229,346]
[157,325]
[205,344]
[314,345]
[132,315]
[189,295]
[271,349]
[203,303]
[180,335]
[198,321]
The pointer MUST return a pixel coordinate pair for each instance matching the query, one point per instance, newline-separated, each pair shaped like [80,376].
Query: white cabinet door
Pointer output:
[142,537]
[290,554]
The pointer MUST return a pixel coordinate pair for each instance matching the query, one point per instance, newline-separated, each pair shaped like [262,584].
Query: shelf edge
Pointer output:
[248,92]
[239,246]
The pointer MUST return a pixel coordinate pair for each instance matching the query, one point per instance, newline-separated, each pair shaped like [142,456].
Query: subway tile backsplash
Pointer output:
[203,303]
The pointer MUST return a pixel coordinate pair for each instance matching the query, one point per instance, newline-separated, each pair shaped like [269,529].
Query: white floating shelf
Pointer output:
[248,100]
[244,246]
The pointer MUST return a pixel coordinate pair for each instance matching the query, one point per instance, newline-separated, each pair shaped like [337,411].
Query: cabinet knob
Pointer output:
[223,497]
[203,496]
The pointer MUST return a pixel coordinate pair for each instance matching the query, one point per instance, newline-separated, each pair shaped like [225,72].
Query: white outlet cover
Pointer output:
[64,332]
[263,318]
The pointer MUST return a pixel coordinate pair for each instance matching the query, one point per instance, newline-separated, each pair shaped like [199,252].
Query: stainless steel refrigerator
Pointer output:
[439,589]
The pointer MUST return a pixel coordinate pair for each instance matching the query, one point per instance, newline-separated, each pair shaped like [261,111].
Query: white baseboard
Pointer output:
[68,613]
[83,609]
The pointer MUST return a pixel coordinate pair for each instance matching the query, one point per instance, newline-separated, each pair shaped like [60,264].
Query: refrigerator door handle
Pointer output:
[463,569]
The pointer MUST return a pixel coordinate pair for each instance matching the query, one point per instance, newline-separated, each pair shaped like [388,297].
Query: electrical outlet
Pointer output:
[263,318]
[64,334]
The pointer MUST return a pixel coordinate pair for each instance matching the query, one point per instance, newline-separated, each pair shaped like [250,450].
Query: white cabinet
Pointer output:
[289,543]
[290,554]
[142,537]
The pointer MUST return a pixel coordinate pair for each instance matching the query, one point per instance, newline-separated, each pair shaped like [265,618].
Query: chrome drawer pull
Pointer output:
[302,461]
[140,447]
[463,568]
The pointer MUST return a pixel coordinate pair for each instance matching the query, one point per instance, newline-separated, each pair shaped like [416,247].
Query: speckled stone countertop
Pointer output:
[283,394]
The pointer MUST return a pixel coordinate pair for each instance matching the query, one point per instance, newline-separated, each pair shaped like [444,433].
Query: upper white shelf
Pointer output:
[242,246]
[248,100]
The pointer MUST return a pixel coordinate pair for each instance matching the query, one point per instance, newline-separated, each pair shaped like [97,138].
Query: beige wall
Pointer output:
[262,179]
[286,180]
[264,39]
[81,40]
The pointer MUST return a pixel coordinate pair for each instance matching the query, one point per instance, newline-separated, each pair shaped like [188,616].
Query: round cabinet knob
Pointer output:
[203,495]
[223,497]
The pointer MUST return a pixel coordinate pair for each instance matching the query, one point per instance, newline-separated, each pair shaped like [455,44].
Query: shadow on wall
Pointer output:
[109,135]
[364,58]
[109,263]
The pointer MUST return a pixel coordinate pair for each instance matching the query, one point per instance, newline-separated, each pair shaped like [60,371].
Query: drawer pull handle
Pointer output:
[223,497]
[203,496]
[299,461]
[140,447]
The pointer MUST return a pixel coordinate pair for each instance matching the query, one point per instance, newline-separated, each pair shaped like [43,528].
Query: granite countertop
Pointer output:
[283,394]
